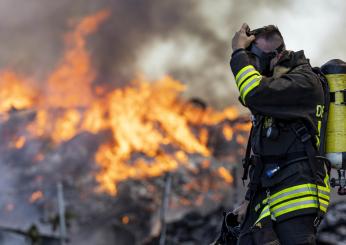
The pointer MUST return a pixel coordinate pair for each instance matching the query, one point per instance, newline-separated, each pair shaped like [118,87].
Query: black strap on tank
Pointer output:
[327,99]
[333,95]
[305,137]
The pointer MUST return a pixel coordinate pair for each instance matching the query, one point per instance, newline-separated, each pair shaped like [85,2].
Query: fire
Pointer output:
[144,118]
[125,219]
[15,92]
[224,173]
[228,132]
[19,142]
[241,140]
[70,84]
[149,122]
[35,196]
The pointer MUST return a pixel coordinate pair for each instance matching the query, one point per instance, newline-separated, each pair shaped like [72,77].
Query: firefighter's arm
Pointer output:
[259,92]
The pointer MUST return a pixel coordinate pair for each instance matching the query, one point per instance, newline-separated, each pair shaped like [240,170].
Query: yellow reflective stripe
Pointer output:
[246,78]
[302,206]
[326,203]
[296,193]
[243,70]
[323,188]
[247,89]
[293,196]
[326,181]
[305,196]
[245,74]
[299,190]
[265,213]
[297,204]
[323,195]
[293,188]
[251,77]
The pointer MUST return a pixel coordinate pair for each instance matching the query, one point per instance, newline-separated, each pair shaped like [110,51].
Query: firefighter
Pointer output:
[288,191]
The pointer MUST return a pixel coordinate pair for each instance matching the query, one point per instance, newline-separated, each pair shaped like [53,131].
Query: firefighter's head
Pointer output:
[267,48]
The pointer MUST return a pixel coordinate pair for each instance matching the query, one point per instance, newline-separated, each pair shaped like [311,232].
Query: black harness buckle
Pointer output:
[303,134]
[332,97]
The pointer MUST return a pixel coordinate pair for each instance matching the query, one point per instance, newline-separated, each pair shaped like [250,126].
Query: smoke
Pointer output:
[189,39]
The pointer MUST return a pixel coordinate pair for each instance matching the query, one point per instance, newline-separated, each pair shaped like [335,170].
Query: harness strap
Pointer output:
[305,137]
[246,161]
[281,160]
[342,97]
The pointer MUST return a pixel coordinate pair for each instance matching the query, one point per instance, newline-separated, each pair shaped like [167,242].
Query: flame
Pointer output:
[224,173]
[245,127]
[15,92]
[150,124]
[241,140]
[70,84]
[35,196]
[143,118]
[227,132]
[125,219]
[19,142]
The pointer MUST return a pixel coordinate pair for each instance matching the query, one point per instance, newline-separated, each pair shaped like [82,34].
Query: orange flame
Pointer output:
[227,132]
[125,220]
[70,84]
[224,173]
[35,196]
[19,143]
[144,119]
[15,92]
[70,87]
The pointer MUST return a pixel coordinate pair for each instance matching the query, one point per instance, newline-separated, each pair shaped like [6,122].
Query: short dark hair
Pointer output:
[269,33]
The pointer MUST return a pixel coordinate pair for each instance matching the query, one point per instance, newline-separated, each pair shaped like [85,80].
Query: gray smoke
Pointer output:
[188,39]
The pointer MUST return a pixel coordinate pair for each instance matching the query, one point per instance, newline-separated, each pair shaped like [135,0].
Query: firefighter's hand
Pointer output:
[241,210]
[241,39]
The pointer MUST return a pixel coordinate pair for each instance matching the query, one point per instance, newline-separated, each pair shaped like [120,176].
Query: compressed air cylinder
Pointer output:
[335,72]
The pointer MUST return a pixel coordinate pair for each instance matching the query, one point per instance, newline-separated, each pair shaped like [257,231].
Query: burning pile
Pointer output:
[110,144]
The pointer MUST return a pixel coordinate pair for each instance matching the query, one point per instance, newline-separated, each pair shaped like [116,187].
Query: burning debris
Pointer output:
[110,148]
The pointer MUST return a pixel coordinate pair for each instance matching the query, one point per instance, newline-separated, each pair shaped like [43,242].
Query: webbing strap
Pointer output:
[305,137]
[338,97]
[246,160]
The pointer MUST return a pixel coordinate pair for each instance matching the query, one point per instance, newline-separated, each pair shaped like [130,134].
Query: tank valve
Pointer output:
[340,182]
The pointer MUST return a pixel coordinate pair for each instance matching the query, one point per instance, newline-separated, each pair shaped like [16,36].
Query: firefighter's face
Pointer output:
[267,62]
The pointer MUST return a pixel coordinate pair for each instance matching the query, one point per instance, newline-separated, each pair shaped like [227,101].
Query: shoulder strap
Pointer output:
[305,137]
[326,91]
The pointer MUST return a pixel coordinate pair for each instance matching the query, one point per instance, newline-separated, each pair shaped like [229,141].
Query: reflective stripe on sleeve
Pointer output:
[247,79]
[243,72]
[253,83]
